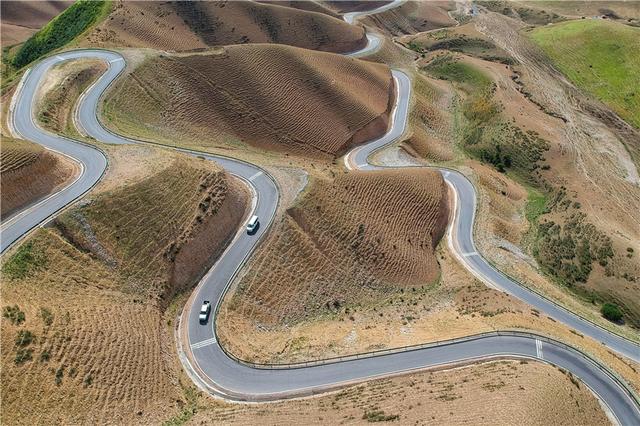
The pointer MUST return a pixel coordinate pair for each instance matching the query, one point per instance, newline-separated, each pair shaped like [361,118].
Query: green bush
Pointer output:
[26,260]
[23,355]
[60,30]
[13,314]
[611,312]
[24,338]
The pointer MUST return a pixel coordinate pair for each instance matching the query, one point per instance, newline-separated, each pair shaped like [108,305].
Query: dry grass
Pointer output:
[29,172]
[181,26]
[413,17]
[340,249]
[269,96]
[527,394]
[94,288]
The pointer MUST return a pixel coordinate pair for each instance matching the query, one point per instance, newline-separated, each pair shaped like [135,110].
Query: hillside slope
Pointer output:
[94,288]
[28,172]
[339,246]
[270,96]
[180,26]
[21,19]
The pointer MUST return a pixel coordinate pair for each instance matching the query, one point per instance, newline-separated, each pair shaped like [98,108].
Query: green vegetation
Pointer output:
[23,355]
[446,67]
[24,262]
[611,312]
[61,30]
[47,316]
[13,314]
[536,205]
[24,338]
[379,416]
[600,57]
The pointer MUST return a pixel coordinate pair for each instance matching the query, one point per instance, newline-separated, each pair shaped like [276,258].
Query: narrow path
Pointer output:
[218,372]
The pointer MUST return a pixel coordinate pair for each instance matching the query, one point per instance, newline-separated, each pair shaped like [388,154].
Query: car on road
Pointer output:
[253,225]
[205,310]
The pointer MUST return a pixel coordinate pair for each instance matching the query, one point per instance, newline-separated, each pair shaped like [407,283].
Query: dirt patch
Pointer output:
[29,173]
[265,95]
[181,26]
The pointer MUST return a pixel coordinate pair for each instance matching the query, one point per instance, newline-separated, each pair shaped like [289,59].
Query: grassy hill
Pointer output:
[600,57]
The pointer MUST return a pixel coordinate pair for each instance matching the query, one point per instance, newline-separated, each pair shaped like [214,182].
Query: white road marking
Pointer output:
[204,343]
[361,166]
[473,253]
[255,176]
[60,58]
[115,60]
[539,353]
[446,173]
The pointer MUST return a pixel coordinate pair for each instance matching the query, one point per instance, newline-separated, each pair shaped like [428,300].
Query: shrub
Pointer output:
[47,316]
[611,312]
[13,314]
[60,31]
[23,355]
[24,338]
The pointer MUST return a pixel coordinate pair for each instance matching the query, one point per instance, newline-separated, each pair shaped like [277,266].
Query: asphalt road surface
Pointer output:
[213,369]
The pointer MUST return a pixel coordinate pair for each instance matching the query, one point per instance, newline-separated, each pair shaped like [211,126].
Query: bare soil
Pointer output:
[183,26]
[412,17]
[265,95]
[29,173]
[21,19]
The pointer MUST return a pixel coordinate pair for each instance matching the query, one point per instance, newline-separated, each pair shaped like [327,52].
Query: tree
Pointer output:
[611,312]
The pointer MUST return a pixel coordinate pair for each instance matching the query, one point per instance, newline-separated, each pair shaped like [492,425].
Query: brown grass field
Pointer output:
[29,173]
[339,248]
[94,289]
[526,392]
[413,17]
[20,19]
[269,96]
[183,26]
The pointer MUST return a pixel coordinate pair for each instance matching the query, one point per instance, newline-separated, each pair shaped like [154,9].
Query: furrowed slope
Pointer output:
[94,340]
[274,97]
[181,26]
[340,246]
[28,173]
[20,19]
[413,17]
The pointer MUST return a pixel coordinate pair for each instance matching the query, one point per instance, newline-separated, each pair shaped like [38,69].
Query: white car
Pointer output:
[253,224]
[205,310]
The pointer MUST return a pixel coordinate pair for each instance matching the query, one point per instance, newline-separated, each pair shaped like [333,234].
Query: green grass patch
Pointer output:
[448,68]
[601,57]
[61,30]
[536,205]
[24,262]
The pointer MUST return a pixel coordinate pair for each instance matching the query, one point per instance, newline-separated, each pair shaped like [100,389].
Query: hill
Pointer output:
[87,299]
[413,17]
[29,172]
[181,26]
[21,19]
[340,247]
[599,57]
[269,96]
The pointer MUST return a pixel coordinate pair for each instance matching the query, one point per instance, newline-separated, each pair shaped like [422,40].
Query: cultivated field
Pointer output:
[271,97]
[29,172]
[413,17]
[180,26]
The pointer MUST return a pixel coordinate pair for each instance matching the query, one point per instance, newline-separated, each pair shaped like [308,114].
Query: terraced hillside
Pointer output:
[413,17]
[85,333]
[28,173]
[181,26]
[340,246]
[269,96]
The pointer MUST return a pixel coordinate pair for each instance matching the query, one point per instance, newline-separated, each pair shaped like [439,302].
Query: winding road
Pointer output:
[217,371]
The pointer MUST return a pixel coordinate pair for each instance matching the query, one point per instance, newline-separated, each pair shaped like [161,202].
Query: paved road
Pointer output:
[222,375]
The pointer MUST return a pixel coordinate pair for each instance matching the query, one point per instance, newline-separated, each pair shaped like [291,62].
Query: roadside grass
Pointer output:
[26,260]
[600,57]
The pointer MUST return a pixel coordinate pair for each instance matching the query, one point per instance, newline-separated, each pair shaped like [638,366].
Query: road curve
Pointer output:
[212,366]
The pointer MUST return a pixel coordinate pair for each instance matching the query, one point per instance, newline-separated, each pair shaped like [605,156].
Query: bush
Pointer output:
[47,316]
[24,338]
[611,312]
[60,31]
[13,314]
[23,355]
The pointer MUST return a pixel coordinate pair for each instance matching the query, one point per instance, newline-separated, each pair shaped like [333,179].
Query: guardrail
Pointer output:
[385,352]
